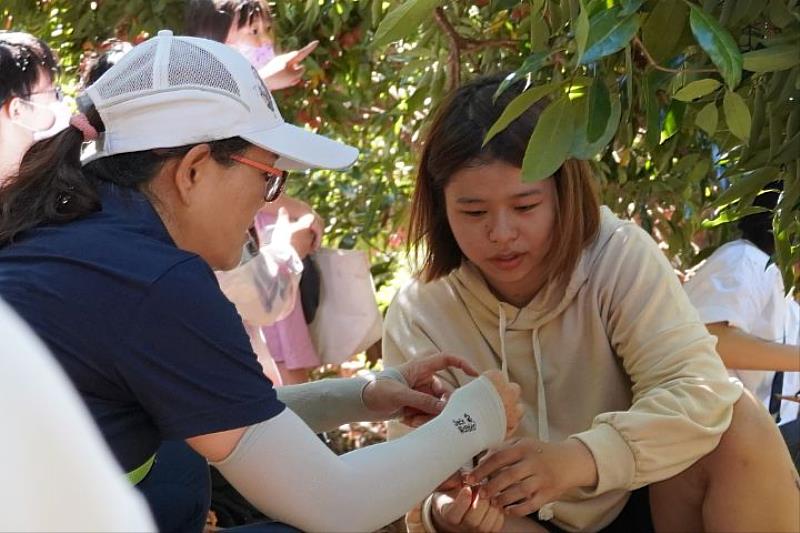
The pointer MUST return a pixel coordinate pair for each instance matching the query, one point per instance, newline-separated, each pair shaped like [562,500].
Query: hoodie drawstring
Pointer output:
[546,512]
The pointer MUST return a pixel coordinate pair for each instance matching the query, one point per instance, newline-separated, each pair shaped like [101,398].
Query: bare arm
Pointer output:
[742,351]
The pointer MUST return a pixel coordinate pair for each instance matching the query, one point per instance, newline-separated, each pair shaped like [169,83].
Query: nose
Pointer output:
[502,228]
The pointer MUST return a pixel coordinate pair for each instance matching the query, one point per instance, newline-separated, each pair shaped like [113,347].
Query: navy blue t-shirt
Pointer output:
[141,327]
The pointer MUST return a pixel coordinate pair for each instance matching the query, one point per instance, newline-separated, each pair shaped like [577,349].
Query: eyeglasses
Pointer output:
[57,90]
[275,178]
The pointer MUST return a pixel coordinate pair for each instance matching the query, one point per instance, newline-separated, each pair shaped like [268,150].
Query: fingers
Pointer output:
[476,512]
[494,462]
[453,482]
[489,524]
[506,478]
[434,363]
[421,401]
[527,507]
[516,492]
[301,54]
[454,511]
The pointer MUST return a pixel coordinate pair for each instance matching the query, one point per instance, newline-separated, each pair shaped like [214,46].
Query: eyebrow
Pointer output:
[469,200]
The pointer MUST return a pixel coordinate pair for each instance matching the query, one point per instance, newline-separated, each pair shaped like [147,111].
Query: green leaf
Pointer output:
[672,120]
[696,89]
[746,183]
[669,14]
[732,216]
[699,171]
[581,147]
[708,118]
[531,65]
[718,44]
[518,106]
[771,59]
[630,6]
[609,34]
[737,115]
[403,19]
[581,32]
[599,110]
[551,140]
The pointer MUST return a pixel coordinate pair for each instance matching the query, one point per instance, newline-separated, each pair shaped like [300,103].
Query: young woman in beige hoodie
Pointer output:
[631,421]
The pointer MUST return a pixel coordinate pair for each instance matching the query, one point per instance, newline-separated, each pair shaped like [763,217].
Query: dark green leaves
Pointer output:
[518,106]
[530,66]
[663,27]
[708,118]
[780,57]
[737,115]
[609,33]
[599,110]
[581,147]
[403,19]
[718,44]
[551,140]
[696,89]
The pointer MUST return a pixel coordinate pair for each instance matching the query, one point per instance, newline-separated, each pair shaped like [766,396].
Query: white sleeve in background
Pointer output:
[264,289]
[57,473]
[290,475]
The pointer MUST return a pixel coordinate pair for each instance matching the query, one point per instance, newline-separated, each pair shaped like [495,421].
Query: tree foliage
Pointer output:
[686,108]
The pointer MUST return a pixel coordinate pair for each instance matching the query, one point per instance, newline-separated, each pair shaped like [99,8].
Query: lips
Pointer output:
[507,261]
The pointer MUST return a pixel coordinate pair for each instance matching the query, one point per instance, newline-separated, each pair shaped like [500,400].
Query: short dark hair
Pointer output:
[97,64]
[455,141]
[212,19]
[757,228]
[23,61]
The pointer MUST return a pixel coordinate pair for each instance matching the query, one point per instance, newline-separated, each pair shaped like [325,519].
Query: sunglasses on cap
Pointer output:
[275,179]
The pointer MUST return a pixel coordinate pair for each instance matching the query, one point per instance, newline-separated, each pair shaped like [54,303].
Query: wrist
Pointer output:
[584,468]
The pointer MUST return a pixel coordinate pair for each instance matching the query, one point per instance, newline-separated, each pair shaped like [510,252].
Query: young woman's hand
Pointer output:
[285,70]
[525,474]
[388,396]
[509,394]
[463,509]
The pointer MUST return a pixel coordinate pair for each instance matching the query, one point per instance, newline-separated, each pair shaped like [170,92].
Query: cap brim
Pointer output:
[300,149]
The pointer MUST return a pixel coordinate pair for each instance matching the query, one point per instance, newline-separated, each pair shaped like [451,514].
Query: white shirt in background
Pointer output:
[57,472]
[738,285]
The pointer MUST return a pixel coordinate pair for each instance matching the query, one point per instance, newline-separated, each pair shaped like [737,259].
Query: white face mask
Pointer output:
[258,56]
[61,116]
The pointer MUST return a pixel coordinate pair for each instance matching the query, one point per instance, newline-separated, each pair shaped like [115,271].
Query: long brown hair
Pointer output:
[455,141]
[52,188]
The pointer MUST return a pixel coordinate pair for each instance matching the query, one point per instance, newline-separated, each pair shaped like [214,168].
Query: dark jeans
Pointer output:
[634,518]
[178,491]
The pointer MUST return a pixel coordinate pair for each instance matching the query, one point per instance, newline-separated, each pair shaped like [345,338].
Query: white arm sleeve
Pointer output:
[328,403]
[264,289]
[290,475]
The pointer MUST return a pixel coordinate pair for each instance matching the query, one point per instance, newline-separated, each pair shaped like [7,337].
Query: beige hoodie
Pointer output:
[617,359]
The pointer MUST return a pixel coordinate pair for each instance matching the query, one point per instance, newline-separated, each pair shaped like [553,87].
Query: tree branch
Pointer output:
[652,62]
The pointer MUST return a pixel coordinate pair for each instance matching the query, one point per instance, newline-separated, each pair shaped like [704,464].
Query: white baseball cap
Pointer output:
[174,91]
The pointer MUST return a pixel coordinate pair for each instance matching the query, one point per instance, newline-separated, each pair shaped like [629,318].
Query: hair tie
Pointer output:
[81,122]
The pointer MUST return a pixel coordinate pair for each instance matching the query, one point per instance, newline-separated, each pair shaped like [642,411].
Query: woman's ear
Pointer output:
[190,172]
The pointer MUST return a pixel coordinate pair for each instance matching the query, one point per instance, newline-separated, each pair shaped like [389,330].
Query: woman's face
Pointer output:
[22,117]
[253,35]
[502,225]
[223,208]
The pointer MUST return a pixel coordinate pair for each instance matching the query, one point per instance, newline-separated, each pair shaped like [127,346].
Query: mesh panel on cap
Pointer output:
[191,65]
[135,73]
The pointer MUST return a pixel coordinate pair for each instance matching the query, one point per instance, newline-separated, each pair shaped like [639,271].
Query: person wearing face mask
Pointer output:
[247,26]
[283,344]
[30,102]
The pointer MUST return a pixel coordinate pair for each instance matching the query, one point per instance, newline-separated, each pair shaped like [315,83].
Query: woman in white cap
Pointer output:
[110,261]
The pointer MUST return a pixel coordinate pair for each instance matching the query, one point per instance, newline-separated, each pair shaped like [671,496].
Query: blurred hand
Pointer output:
[387,396]
[524,474]
[285,70]
[464,509]
[509,394]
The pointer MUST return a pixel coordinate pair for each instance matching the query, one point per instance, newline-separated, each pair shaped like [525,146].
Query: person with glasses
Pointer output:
[30,102]
[109,256]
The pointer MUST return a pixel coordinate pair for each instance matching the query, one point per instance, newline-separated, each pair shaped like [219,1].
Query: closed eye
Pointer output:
[525,208]
[474,214]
